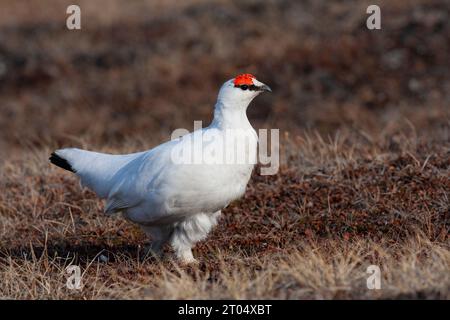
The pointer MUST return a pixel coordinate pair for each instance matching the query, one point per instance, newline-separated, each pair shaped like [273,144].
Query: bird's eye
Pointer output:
[244,87]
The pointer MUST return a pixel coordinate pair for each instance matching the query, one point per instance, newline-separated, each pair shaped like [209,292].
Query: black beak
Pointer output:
[265,87]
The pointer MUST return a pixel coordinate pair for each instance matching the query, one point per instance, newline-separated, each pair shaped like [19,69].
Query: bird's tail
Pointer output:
[74,160]
[96,170]
[61,162]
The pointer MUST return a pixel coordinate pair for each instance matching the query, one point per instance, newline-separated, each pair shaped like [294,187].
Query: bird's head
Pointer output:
[242,89]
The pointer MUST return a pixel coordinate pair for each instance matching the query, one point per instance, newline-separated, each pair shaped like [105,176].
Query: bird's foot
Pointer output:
[185,256]
[154,249]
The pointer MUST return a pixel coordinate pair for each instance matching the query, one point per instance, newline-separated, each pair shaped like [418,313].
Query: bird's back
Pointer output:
[155,184]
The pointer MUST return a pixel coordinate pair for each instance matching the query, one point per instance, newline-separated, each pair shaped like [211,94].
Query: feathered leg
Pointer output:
[190,231]
[160,236]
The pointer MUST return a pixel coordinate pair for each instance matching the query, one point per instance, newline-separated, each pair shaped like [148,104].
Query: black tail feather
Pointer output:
[60,162]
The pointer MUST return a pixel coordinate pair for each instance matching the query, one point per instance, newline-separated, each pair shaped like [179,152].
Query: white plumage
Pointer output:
[172,200]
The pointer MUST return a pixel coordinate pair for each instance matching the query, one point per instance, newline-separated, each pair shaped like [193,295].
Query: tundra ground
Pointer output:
[364,119]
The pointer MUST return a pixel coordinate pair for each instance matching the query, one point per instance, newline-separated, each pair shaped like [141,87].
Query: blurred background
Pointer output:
[140,69]
[364,119]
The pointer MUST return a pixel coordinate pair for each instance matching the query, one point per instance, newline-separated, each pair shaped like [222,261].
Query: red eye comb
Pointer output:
[245,78]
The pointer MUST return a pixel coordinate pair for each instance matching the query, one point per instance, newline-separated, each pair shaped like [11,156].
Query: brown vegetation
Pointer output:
[365,146]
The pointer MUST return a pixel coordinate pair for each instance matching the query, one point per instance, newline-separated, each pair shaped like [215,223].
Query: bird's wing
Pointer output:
[138,180]
[157,185]
[115,204]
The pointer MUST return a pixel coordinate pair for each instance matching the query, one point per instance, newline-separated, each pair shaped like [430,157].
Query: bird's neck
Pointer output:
[231,116]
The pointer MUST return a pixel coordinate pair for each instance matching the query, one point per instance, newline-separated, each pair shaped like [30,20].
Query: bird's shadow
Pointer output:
[79,253]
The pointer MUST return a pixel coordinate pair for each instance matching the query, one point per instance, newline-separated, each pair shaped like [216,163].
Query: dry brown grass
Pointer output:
[417,269]
[309,232]
[365,147]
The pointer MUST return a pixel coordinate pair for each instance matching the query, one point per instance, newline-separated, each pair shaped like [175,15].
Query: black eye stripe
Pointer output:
[249,87]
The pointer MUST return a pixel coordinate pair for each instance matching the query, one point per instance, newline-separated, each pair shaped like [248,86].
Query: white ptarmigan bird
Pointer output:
[177,199]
